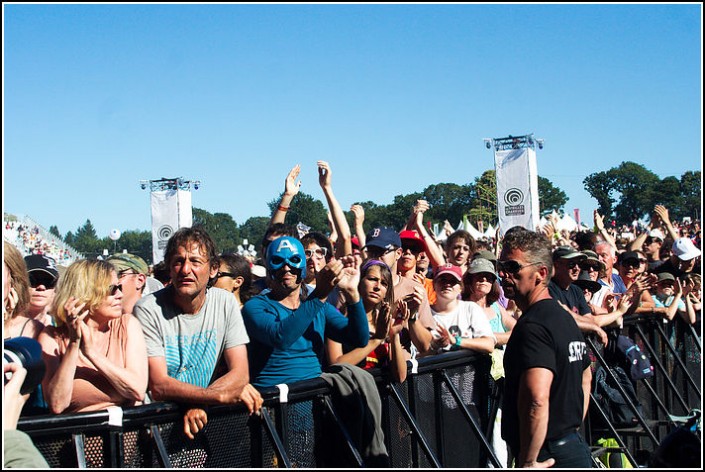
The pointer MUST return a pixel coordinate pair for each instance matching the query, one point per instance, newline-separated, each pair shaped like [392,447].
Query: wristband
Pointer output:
[458,340]
[283,208]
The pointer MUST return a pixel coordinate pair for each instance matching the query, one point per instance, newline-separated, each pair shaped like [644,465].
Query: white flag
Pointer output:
[517,188]
[171,210]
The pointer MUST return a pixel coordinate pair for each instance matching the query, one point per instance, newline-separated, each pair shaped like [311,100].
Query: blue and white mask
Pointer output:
[286,251]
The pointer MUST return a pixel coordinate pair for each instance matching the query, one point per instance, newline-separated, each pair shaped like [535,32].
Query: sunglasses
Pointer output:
[590,267]
[452,281]
[512,267]
[572,264]
[375,252]
[634,263]
[37,280]
[123,273]
[413,249]
[113,289]
[225,274]
[319,253]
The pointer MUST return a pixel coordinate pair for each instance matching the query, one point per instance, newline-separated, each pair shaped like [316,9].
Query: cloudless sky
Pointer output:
[395,97]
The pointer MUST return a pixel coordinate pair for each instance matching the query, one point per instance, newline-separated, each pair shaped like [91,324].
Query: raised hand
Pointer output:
[384,317]
[74,318]
[291,186]
[324,175]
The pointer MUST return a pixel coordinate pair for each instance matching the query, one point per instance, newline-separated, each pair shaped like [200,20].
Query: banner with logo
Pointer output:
[171,210]
[517,188]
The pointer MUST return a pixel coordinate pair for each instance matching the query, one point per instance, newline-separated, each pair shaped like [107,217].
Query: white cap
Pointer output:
[258,271]
[657,233]
[685,249]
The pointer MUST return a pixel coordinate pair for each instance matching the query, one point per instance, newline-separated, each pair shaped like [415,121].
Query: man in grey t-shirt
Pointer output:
[189,327]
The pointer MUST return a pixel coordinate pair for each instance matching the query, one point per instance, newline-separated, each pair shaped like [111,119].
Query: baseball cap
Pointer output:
[383,237]
[480,265]
[627,255]
[412,238]
[665,276]
[592,256]
[685,249]
[485,254]
[40,262]
[567,252]
[355,242]
[258,271]
[656,233]
[127,261]
[454,270]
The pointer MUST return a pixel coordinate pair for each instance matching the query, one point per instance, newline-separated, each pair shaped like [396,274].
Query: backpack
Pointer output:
[613,460]
[611,400]
[636,361]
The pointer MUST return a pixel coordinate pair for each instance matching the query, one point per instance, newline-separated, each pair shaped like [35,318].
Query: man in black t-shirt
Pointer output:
[547,368]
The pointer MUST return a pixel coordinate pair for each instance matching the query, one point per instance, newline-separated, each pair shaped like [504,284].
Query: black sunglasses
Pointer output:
[35,280]
[512,267]
[113,289]
[225,274]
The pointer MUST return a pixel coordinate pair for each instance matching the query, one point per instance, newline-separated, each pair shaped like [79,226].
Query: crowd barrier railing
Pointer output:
[442,416]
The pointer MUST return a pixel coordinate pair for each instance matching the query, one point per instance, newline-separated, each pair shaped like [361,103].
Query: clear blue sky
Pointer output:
[395,97]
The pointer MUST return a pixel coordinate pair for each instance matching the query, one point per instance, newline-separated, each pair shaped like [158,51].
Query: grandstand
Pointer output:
[32,238]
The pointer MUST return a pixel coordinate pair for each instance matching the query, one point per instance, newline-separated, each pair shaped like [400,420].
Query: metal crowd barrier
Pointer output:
[440,417]
[437,418]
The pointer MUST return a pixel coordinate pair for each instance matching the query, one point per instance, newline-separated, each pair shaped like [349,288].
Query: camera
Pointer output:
[28,353]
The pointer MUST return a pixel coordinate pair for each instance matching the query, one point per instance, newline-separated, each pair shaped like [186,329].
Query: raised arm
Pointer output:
[662,212]
[359,214]
[343,245]
[601,230]
[434,253]
[291,188]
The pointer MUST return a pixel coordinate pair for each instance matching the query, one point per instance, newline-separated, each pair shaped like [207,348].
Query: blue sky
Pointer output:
[395,97]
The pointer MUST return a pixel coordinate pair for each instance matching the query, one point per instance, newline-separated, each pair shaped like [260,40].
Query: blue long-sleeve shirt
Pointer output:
[288,345]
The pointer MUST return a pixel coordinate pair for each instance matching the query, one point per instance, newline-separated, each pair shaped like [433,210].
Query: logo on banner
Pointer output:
[164,233]
[513,198]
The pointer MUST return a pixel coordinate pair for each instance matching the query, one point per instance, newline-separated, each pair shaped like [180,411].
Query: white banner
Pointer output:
[171,210]
[517,189]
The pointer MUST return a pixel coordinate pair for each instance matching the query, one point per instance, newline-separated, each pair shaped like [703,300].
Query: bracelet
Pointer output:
[283,208]
[458,340]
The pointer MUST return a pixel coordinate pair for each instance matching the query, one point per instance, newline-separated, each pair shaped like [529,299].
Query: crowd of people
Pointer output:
[223,327]
[31,239]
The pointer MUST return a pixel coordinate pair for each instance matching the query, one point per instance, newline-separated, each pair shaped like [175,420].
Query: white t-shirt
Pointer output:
[468,320]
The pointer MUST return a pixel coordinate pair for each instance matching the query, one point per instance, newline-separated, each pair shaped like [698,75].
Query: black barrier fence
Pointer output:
[440,417]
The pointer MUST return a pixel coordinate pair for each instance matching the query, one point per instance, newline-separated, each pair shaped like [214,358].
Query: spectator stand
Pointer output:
[31,238]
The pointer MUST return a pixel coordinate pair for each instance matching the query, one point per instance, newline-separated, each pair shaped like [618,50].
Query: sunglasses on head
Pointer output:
[35,280]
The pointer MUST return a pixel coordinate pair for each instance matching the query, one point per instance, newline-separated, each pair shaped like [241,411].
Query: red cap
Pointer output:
[412,237]
[449,269]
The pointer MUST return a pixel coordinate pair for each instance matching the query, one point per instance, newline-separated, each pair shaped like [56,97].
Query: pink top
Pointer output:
[91,390]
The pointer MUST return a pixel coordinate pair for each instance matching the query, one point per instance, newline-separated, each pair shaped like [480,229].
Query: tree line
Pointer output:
[623,193]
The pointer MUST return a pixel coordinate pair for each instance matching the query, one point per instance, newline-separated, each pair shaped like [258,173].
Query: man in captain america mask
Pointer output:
[287,329]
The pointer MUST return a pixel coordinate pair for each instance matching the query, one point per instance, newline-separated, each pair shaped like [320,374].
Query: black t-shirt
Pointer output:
[545,337]
[573,297]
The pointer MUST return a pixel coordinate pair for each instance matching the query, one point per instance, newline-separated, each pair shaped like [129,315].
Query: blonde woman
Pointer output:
[95,356]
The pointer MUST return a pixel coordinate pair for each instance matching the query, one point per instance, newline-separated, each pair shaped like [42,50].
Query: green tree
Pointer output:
[221,227]
[86,241]
[135,242]
[691,192]
[397,213]
[636,185]
[483,195]
[550,196]
[305,209]
[447,201]
[669,195]
[55,231]
[374,216]
[601,187]
[253,230]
